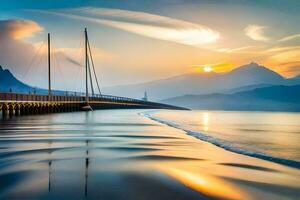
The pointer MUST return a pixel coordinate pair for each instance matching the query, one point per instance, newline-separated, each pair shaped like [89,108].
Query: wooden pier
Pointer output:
[14,104]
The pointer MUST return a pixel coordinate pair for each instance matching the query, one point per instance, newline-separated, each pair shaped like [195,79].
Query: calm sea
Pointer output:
[151,154]
[274,136]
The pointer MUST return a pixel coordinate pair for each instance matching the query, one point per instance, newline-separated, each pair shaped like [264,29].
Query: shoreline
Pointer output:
[228,147]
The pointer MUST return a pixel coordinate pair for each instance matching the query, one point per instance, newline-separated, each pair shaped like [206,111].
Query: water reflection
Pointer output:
[206,184]
[49,175]
[87,161]
[271,133]
[121,155]
[205,117]
[49,165]
[51,171]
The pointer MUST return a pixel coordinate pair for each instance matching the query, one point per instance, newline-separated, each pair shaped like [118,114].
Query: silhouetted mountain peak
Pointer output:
[9,82]
[6,73]
[253,67]
[255,70]
[254,64]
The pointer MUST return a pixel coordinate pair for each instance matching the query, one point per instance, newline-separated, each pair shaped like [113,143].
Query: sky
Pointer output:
[137,41]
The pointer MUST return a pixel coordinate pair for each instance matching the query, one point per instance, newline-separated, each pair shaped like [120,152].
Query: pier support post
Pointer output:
[5,113]
[17,111]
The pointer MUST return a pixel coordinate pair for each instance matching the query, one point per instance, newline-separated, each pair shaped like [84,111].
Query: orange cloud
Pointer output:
[215,67]
[18,29]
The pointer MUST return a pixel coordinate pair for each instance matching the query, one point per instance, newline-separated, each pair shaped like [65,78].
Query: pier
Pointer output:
[14,104]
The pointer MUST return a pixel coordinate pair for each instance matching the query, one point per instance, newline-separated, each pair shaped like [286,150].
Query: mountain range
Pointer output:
[272,98]
[249,87]
[242,78]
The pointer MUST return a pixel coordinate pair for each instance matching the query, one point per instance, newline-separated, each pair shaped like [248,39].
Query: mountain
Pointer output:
[254,73]
[201,83]
[246,88]
[273,98]
[9,82]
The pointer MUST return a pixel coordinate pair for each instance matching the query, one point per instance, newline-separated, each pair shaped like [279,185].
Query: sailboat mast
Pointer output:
[86,68]
[49,68]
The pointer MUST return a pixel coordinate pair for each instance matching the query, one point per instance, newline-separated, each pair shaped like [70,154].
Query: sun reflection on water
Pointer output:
[205,121]
[206,184]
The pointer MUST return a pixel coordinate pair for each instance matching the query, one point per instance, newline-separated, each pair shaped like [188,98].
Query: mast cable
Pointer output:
[29,66]
[56,60]
[90,75]
[93,66]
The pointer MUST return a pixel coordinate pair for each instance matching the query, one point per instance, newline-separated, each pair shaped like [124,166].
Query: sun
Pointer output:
[203,68]
[207,68]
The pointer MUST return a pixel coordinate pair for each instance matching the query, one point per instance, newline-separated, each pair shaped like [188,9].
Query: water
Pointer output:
[269,135]
[120,154]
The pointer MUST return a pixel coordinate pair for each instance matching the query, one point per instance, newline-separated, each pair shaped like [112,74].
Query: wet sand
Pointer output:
[119,154]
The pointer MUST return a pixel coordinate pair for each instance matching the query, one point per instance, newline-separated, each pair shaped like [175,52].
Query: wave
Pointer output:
[222,143]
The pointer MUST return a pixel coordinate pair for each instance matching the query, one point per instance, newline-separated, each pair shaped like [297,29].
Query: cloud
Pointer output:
[149,25]
[18,29]
[235,50]
[287,60]
[280,49]
[287,56]
[292,68]
[28,61]
[76,55]
[291,37]
[72,60]
[256,32]
[15,53]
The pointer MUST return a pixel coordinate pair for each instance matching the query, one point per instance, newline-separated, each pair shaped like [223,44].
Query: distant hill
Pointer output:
[204,83]
[294,81]
[246,88]
[9,82]
[273,98]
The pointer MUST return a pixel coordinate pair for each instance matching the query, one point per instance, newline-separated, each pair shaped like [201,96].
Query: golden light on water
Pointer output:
[206,184]
[205,121]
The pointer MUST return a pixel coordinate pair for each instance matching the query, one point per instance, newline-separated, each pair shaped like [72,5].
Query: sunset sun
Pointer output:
[207,68]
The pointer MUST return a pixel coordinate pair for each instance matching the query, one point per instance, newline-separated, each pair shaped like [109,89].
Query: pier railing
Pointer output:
[80,97]
[10,100]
